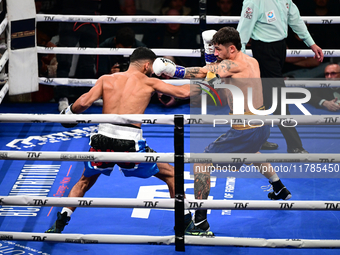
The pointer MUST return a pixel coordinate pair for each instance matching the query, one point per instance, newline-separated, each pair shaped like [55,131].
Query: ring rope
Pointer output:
[137,157]
[3,60]
[210,19]
[3,25]
[169,239]
[168,203]
[88,156]
[3,91]
[193,240]
[92,82]
[164,52]
[168,119]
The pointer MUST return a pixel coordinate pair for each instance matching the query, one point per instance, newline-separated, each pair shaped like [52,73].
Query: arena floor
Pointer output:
[267,224]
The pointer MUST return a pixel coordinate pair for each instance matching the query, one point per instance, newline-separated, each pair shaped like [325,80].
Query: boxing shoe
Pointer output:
[280,191]
[59,224]
[269,146]
[200,229]
[199,226]
[297,150]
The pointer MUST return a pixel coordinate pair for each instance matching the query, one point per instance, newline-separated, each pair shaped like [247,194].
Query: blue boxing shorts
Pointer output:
[120,138]
[239,141]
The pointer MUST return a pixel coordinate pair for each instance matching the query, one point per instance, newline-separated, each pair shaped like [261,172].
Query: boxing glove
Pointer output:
[68,110]
[208,46]
[166,66]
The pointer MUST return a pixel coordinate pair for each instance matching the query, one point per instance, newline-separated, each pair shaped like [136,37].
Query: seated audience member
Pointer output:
[328,98]
[178,5]
[47,63]
[152,6]
[174,36]
[327,36]
[127,8]
[223,8]
[125,38]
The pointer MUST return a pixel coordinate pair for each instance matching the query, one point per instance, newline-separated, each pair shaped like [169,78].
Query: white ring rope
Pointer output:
[210,19]
[3,60]
[88,156]
[168,203]
[91,82]
[246,158]
[118,51]
[193,240]
[162,157]
[164,52]
[3,25]
[3,91]
[168,119]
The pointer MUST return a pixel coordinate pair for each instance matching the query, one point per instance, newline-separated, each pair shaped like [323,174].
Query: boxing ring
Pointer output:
[59,147]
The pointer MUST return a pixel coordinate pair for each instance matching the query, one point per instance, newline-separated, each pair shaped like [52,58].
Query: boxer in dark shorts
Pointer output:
[126,92]
[119,138]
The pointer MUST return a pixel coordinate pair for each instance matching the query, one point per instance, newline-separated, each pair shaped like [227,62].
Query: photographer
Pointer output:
[109,64]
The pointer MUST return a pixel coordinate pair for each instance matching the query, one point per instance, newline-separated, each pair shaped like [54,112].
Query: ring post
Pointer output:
[179,182]
[203,24]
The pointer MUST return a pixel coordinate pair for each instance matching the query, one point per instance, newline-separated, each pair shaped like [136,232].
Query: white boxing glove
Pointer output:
[166,66]
[208,46]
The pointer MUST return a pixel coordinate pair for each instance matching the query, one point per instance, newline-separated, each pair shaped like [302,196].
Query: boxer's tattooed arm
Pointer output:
[226,68]
[202,185]
[227,65]
[195,72]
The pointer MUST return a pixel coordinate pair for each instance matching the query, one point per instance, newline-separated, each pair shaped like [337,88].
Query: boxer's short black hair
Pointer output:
[142,53]
[227,35]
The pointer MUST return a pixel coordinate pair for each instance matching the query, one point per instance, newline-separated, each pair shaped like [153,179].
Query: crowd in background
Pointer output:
[176,36]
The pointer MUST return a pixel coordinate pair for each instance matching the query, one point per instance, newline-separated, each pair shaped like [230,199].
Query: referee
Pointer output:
[266,23]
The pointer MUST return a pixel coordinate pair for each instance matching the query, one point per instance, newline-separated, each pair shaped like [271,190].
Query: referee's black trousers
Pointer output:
[271,58]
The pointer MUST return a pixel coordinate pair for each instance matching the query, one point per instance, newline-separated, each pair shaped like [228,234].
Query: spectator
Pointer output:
[322,32]
[128,7]
[266,22]
[47,62]
[328,98]
[173,36]
[125,38]
[178,5]
[223,8]
[152,6]
[70,34]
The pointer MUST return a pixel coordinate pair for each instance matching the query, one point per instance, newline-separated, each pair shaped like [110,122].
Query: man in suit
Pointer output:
[328,98]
